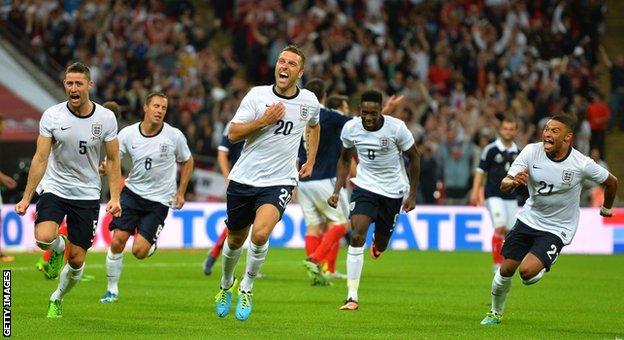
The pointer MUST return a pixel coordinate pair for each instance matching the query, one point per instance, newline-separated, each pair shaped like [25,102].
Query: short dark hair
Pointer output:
[371,96]
[567,120]
[113,106]
[317,86]
[335,101]
[78,67]
[149,97]
[296,50]
[510,119]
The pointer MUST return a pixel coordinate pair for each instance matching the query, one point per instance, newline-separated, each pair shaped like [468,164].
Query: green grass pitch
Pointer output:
[403,295]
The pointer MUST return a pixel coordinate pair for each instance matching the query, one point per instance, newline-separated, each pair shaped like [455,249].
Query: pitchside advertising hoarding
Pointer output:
[444,228]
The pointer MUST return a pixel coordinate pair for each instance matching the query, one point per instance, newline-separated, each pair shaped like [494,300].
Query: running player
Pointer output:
[271,119]
[554,173]
[71,135]
[380,142]
[325,226]
[496,159]
[156,148]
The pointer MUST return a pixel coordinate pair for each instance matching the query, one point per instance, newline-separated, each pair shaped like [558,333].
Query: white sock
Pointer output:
[355,261]
[230,259]
[255,258]
[58,245]
[114,265]
[67,280]
[500,287]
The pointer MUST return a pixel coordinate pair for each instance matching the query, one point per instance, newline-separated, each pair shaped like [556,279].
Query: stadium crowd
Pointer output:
[461,65]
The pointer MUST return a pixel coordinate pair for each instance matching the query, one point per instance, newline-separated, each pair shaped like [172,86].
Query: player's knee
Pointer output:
[506,271]
[358,240]
[117,245]
[75,259]
[139,254]
[44,238]
[260,238]
[530,276]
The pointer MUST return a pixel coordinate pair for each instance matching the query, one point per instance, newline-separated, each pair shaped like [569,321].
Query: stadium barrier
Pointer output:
[445,228]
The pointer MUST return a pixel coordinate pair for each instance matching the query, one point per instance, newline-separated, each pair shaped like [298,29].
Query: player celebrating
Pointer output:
[496,159]
[155,148]
[553,172]
[68,150]
[272,120]
[381,184]
[313,193]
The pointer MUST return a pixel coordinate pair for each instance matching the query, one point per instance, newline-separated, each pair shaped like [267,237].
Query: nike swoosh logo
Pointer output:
[267,105]
[65,128]
[135,146]
[536,167]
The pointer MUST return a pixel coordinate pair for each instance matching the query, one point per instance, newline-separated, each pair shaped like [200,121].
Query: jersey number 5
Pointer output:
[82,146]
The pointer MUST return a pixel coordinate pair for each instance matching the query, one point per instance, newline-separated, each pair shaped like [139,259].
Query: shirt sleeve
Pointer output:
[183,153]
[595,172]
[111,127]
[247,110]
[123,142]
[405,139]
[521,163]
[345,137]
[314,117]
[46,124]
[485,162]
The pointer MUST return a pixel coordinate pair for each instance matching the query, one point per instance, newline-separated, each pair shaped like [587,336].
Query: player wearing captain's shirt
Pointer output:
[71,135]
[227,155]
[381,182]
[156,148]
[496,159]
[271,119]
[325,226]
[553,172]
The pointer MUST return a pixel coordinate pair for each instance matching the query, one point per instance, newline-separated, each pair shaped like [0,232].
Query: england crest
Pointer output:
[568,176]
[96,130]
[164,148]
[384,142]
[305,112]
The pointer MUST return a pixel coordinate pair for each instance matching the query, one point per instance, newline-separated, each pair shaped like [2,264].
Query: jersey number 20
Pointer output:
[285,128]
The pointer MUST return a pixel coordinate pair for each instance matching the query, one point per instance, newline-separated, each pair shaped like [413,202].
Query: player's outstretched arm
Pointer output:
[240,131]
[610,186]
[8,181]
[414,178]
[113,171]
[38,166]
[224,163]
[341,174]
[186,172]
[313,133]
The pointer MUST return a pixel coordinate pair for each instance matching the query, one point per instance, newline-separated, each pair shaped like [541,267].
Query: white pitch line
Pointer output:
[100,265]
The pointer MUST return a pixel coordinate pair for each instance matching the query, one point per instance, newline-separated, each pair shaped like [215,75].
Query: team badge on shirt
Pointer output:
[96,130]
[305,111]
[384,142]
[164,148]
[567,176]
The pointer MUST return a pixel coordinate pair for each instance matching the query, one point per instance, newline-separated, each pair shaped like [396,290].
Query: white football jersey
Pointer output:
[77,141]
[381,168]
[270,154]
[154,161]
[555,189]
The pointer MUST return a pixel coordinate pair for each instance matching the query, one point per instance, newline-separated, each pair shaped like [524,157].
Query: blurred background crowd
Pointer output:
[461,65]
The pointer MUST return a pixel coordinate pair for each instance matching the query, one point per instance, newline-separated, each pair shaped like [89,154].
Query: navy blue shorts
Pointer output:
[523,239]
[82,217]
[243,200]
[137,213]
[383,210]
